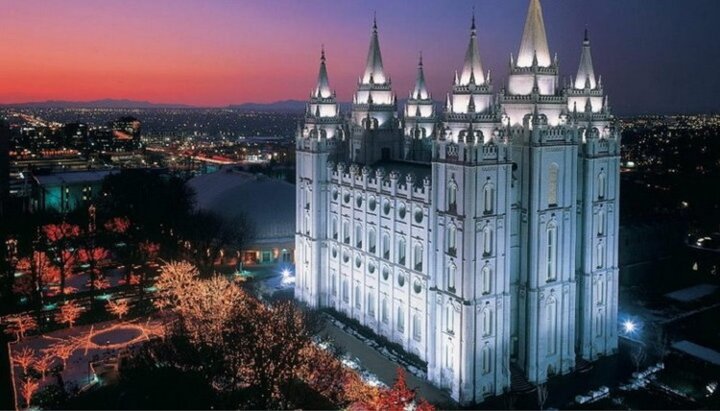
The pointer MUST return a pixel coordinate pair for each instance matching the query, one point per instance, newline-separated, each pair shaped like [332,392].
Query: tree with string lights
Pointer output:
[24,359]
[69,313]
[19,325]
[28,388]
[118,308]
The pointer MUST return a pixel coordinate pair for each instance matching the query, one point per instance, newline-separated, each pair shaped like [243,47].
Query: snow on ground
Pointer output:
[93,343]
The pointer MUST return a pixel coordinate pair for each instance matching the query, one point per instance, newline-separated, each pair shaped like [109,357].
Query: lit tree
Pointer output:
[60,238]
[93,256]
[173,284]
[43,363]
[24,359]
[101,283]
[149,251]
[118,225]
[28,388]
[324,373]
[19,325]
[62,350]
[69,313]
[118,307]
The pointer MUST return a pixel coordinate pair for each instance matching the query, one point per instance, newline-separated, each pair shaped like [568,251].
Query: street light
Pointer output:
[629,326]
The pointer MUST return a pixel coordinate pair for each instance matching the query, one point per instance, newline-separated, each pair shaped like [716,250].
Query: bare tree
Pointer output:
[542,394]
[638,357]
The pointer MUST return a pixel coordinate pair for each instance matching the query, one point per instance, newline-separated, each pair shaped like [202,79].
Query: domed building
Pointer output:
[268,203]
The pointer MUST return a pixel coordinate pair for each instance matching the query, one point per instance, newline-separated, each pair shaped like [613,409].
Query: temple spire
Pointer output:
[472,69]
[586,74]
[322,89]
[420,91]
[374,72]
[534,40]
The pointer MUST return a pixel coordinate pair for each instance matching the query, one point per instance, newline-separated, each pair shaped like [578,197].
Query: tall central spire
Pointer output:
[534,41]
[420,91]
[586,74]
[374,72]
[322,89]
[472,70]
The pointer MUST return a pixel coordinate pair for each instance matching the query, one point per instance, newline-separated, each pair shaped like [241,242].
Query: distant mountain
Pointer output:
[104,103]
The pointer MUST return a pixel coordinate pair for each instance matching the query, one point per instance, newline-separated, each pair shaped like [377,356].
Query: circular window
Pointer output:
[386,273]
[401,280]
[346,198]
[372,203]
[418,215]
[335,193]
[359,201]
[346,257]
[371,268]
[417,286]
[358,261]
[386,207]
[334,252]
[402,211]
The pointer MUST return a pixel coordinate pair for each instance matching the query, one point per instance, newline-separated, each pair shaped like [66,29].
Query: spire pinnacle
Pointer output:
[586,73]
[534,39]
[374,66]
[420,91]
[322,89]
[472,72]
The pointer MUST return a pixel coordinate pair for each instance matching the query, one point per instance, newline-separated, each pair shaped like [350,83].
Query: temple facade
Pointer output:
[483,237]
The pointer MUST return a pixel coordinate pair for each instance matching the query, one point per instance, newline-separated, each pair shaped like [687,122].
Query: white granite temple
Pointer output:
[482,238]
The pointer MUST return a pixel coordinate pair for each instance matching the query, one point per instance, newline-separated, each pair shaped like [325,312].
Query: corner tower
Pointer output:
[316,141]
[470,292]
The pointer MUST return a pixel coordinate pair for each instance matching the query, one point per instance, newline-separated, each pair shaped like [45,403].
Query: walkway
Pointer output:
[384,368]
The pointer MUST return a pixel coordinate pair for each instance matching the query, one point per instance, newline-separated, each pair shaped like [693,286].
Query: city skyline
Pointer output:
[213,53]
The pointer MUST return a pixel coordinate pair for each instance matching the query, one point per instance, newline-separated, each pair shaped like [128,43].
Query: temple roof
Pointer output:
[586,73]
[374,66]
[472,70]
[534,40]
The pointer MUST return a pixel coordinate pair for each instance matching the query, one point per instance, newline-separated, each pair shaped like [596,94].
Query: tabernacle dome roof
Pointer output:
[268,203]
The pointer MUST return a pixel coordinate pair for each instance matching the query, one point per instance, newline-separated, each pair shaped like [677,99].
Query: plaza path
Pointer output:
[383,368]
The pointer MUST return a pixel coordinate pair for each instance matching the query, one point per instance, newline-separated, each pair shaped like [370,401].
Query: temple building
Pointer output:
[482,238]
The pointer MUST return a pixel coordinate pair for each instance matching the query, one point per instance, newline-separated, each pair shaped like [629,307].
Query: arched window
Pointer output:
[384,311]
[551,251]
[452,197]
[358,236]
[418,257]
[600,291]
[401,251]
[449,318]
[600,255]
[489,198]
[452,240]
[487,322]
[333,286]
[386,246]
[371,240]
[601,185]
[486,280]
[371,304]
[599,323]
[551,320]
[487,241]
[552,191]
[307,225]
[486,359]
[451,273]
[358,298]
[417,327]
[334,228]
[345,291]
[400,320]
[346,232]
[601,223]
[449,355]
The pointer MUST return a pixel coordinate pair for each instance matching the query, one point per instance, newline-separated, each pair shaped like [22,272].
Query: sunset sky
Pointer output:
[654,55]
